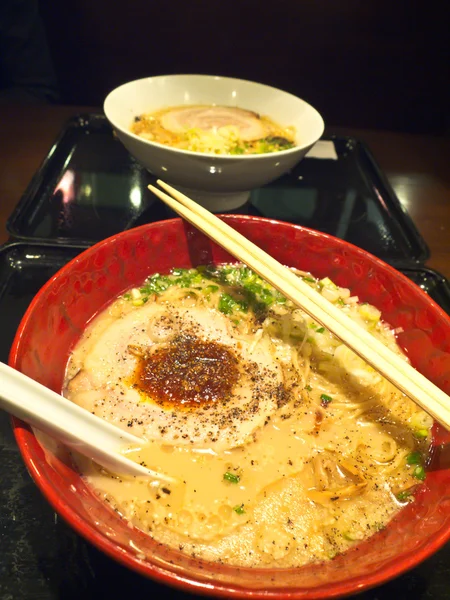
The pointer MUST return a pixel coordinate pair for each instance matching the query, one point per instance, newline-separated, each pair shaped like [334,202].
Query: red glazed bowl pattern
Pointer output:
[61,310]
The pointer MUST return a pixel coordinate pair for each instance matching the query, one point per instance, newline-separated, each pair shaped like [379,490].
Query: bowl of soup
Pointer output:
[215,138]
[295,469]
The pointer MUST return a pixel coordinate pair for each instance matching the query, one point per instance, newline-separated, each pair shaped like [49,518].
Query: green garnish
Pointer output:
[415,458]
[325,399]
[273,144]
[252,292]
[239,509]
[231,477]
[326,282]
[419,473]
[320,330]
[308,388]
[259,293]
[421,433]
[309,279]
[402,496]
[157,283]
[227,304]
[210,289]
[237,150]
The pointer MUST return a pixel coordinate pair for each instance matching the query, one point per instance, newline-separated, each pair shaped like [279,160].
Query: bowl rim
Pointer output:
[209,155]
[24,435]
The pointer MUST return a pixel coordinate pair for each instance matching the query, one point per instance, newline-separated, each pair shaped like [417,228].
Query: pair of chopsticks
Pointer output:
[395,369]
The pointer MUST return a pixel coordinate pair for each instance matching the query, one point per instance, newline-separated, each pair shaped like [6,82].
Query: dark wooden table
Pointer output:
[417,167]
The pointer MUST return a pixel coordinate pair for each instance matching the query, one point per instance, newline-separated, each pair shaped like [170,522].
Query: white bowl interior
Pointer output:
[154,93]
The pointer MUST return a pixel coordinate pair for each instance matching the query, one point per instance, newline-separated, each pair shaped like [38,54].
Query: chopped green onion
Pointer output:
[239,509]
[256,294]
[326,282]
[421,433]
[325,399]
[320,330]
[210,289]
[308,388]
[415,458]
[402,496]
[309,279]
[370,313]
[419,473]
[231,477]
[227,304]
[421,420]
[237,150]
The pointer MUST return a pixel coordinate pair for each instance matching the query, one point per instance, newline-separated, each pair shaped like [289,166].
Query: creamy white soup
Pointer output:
[285,448]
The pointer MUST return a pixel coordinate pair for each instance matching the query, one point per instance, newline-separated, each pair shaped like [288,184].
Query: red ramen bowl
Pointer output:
[58,315]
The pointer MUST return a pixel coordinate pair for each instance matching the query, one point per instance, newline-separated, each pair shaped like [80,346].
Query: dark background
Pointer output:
[362,63]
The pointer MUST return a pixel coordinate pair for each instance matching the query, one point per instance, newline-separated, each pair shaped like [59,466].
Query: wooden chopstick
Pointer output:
[412,383]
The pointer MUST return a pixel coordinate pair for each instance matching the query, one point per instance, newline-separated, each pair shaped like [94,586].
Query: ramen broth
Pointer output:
[285,447]
[214,129]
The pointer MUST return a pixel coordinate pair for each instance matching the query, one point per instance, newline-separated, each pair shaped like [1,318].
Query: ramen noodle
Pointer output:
[214,130]
[284,446]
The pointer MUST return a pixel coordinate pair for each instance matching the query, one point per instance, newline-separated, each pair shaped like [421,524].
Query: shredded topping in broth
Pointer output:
[214,130]
[286,447]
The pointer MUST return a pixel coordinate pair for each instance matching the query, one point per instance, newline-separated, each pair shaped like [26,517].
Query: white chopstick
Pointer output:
[412,383]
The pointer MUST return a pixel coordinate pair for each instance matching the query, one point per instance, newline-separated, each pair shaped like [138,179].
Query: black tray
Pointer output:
[89,188]
[41,558]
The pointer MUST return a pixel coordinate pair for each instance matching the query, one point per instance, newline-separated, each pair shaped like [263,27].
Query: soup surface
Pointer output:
[284,446]
[214,130]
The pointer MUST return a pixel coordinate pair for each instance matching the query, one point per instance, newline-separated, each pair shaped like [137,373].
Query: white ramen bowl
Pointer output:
[218,182]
